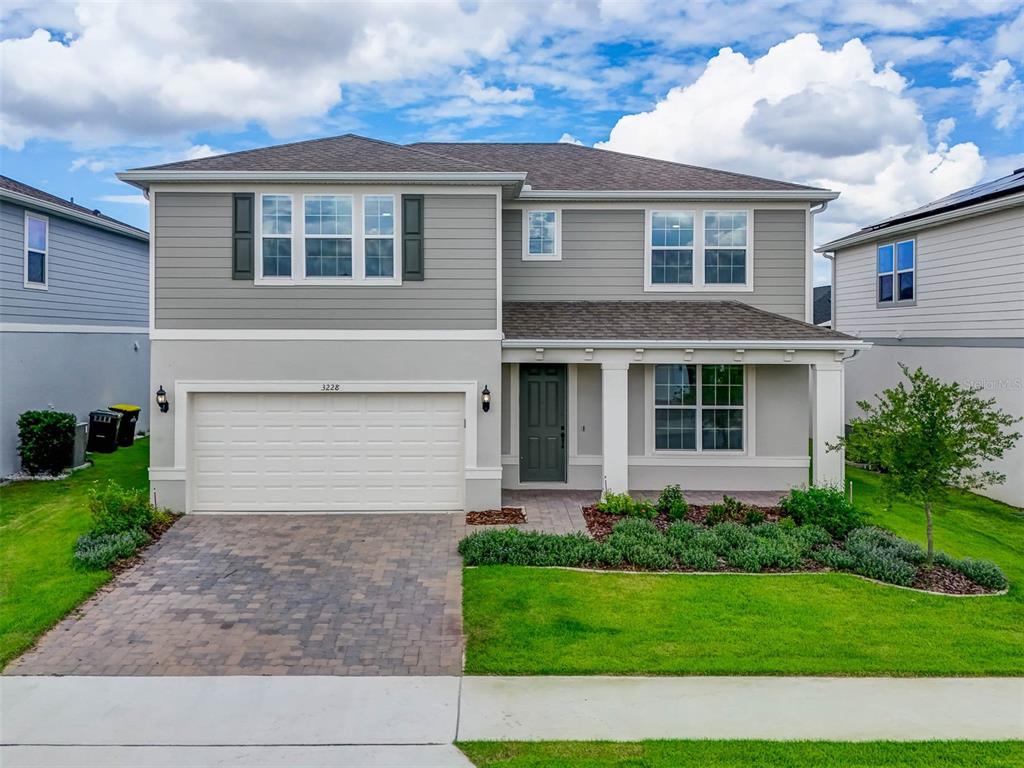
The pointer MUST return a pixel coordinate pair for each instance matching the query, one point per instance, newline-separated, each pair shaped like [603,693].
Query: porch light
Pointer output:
[485,399]
[161,399]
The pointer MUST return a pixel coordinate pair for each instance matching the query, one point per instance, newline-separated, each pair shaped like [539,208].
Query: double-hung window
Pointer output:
[725,247]
[896,268]
[37,250]
[672,247]
[276,235]
[687,395]
[379,235]
[541,236]
[328,236]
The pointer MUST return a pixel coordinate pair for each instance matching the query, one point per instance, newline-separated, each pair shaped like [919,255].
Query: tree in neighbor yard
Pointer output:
[928,437]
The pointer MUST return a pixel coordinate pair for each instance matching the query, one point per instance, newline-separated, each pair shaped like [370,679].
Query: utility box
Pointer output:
[81,439]
[103,426]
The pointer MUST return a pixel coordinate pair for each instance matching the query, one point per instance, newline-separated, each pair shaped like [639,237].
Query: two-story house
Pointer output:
[74,333]
[941,287]
[351,325]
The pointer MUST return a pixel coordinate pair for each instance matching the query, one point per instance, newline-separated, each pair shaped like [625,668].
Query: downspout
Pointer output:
[814,211]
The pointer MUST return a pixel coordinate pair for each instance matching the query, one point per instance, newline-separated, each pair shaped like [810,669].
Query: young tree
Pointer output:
[928,437]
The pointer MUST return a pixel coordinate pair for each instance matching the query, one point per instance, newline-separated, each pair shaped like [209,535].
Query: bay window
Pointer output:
[686,395]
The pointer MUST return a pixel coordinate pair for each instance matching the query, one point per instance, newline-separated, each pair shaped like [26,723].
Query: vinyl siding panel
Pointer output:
[603,253]
[94,277]
[194,288]
[969,283]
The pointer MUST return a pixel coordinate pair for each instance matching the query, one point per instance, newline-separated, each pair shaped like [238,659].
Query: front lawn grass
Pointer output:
[39,524]
[743,754]
[528,621]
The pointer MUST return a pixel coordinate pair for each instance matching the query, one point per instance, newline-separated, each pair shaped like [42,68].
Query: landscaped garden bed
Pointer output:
[812,530]
[503,516]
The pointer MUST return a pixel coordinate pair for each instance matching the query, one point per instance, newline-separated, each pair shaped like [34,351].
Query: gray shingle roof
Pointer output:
[11,185]
[564,166]
[655,321]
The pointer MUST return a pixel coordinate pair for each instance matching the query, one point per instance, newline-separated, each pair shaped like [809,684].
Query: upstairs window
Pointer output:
[541,235]
[379,235]
[897,264]
[725,247]
[328,235]
[276,235]
[672,247]
[37,249]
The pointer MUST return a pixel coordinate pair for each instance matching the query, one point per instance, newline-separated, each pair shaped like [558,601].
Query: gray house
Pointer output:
[941,287]
[347,324]
[73,311]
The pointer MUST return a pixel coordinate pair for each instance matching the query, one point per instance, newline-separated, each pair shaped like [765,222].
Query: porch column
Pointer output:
[615,426]
[828,405]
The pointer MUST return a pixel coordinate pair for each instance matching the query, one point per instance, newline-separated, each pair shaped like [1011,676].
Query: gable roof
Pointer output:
[24,194]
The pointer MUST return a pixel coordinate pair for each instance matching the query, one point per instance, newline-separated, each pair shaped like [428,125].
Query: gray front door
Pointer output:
[542,423]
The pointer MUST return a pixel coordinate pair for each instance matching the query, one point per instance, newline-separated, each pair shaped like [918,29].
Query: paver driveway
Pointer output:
[274,594]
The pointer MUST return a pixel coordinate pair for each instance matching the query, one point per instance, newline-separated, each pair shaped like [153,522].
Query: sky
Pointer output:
[893,104]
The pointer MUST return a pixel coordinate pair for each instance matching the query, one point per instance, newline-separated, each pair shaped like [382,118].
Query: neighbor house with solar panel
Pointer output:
[940,287]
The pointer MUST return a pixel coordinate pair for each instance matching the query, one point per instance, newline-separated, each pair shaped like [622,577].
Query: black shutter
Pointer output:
[242,236]
[412,237]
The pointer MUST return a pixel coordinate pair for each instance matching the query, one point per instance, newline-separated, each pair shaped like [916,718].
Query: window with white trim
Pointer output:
[672,247]
[725,247]
[379,235]
[37,250]
[541,235]
[897,264]
[276,235]
[328,236]
[716,403]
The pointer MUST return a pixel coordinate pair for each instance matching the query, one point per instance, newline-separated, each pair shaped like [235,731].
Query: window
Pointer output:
[717,404]
[276,235]
[379,235]
[896,267]
[725,247]
[541,235]
[37,249]
[672,247]
[328,235]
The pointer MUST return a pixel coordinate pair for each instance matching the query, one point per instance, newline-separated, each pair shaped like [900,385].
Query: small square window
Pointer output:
[541,234]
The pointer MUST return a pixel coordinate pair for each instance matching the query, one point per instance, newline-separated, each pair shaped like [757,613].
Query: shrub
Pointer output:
[753,516]
[728,509]
[761,553]
[881,555]
[99,550]
[624,504]
[982,572]
[823,506]
[835,558]
[683,533]
[672,503]
[115,509]
[695,557]
[879,538]
[510,546]
[641,544]
[729,536]
[46,441]
[810,536]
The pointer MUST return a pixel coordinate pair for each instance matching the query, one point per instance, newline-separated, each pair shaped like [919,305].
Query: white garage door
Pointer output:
[327,452]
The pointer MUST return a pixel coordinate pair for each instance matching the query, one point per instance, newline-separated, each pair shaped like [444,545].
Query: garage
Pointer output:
[327,452]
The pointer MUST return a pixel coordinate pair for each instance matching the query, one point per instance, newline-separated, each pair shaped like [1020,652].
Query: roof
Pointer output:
[822,304]
[537,166]
[676,321]
[25,194]
[1003,187]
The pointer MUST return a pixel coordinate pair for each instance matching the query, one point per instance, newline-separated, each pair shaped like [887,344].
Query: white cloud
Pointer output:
[944,129]
[829,118]
[1009,38]
[124,199]
[997,91]
[477,92]
[568,138]
[107,160]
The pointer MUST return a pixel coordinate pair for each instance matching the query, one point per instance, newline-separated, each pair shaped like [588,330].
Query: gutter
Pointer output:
[86,218]
[142,178]
[795,195]
[850,343]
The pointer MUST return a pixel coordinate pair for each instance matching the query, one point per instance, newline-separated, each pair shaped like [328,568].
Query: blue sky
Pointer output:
[891,103]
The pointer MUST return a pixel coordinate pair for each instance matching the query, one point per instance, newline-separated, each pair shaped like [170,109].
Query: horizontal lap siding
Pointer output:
[970,282]
[603,255]
[194,288]
[94,277]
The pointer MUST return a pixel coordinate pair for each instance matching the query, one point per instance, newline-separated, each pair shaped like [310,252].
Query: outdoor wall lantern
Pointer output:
[161,399]
[485,399]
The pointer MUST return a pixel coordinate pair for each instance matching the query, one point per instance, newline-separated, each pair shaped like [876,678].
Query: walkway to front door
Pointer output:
[542,423]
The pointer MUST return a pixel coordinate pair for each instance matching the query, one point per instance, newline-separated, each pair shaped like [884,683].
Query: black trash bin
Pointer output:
[129,418]
[103,427]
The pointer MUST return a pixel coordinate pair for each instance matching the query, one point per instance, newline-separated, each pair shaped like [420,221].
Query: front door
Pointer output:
[542,422]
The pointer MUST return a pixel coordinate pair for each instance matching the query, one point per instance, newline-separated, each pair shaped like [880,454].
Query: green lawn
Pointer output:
[744,754]
[39,523]
[526,621]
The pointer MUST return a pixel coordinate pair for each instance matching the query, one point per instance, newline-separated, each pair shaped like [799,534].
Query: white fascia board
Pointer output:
[683,344]
[884,233]
[86,218]
[661,194]
[143,179]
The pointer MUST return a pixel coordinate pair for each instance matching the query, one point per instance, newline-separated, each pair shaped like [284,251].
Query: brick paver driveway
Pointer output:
[266,594]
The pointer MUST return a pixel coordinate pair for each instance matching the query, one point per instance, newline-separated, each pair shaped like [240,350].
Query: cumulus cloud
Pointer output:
[568,138]
[1009,39]
[806,114]
[997,91]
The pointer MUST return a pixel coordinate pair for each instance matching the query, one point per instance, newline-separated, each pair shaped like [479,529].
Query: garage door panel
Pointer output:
[264,452]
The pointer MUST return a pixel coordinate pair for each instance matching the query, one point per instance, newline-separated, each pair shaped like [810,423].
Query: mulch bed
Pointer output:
[600,523]
[939,578]
[503,516]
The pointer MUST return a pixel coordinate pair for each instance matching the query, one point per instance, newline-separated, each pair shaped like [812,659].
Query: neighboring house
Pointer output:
[823,305]
[941,287]
[349,324]
[73,319]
